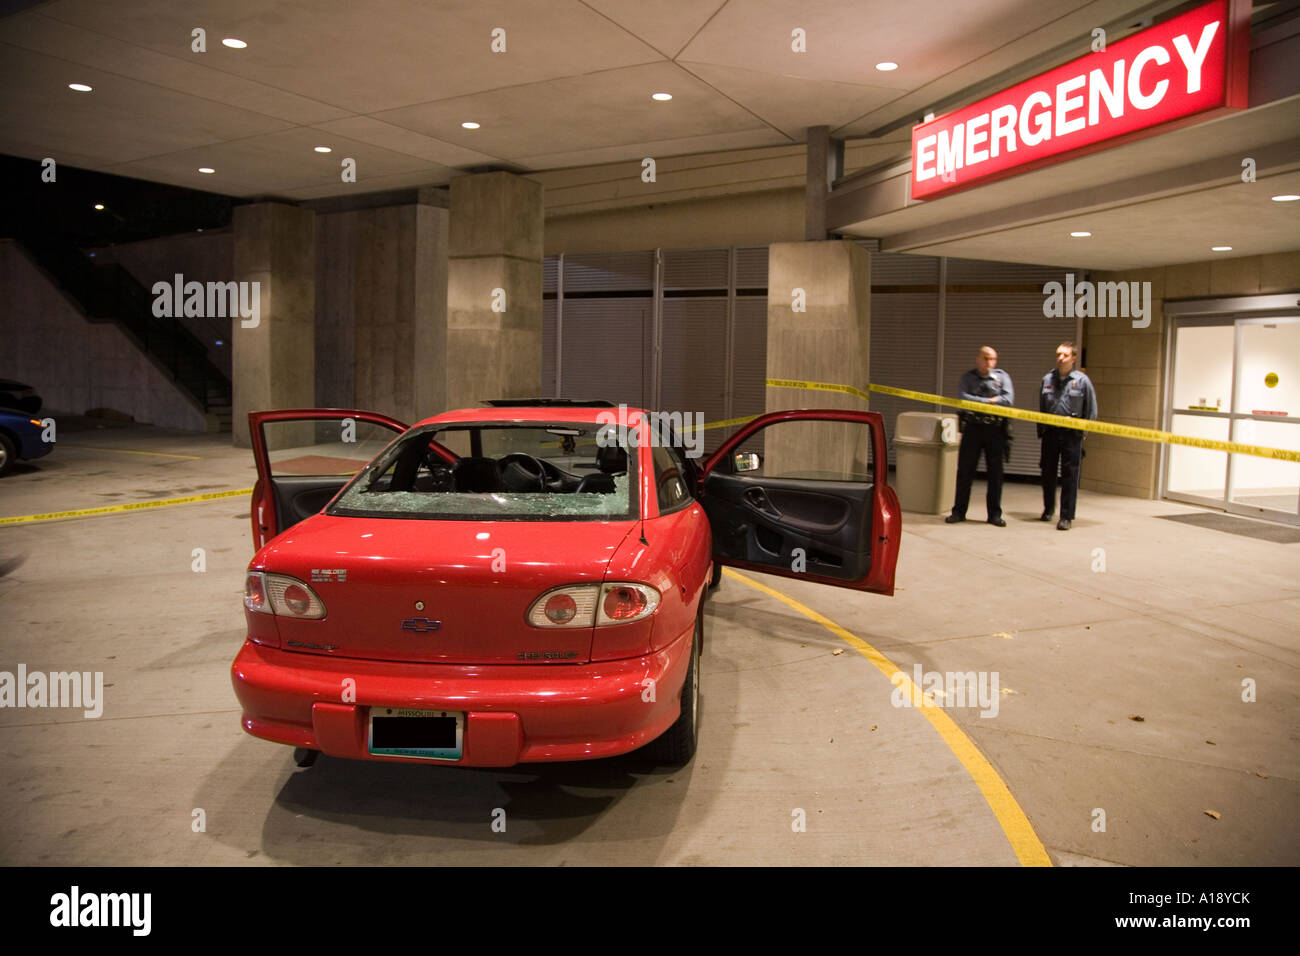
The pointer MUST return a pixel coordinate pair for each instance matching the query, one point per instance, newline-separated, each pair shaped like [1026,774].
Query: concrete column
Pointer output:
[274,362]
[494,289]
[829,341]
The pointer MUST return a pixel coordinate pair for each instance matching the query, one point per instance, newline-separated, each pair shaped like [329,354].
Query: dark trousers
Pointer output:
[977,438]
[1063,446]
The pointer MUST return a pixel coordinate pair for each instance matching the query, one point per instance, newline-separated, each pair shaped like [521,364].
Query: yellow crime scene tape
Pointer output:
[133,506]
[1081,424]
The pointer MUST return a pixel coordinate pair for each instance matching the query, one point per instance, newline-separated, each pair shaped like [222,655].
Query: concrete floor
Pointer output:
[1167,631]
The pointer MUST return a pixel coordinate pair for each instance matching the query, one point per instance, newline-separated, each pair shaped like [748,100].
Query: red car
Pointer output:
[526,582]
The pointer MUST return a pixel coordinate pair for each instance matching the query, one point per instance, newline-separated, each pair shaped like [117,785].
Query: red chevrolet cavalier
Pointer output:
[526,582]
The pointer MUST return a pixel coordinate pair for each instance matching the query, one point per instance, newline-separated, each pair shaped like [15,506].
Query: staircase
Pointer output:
[109,293]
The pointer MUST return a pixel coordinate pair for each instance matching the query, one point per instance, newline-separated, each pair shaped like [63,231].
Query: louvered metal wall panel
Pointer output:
[893,269]
[550,270]
[607,349]
[548,348]
[751,267]
[749,367]
[695,269]
[1012,323]
[981,272]
[694,355]
[904,349]
[609,272]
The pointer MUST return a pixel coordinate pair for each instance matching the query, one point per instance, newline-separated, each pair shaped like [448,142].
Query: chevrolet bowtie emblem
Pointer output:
[421,625]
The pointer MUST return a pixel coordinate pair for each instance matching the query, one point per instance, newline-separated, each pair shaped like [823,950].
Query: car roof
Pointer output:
[545,413]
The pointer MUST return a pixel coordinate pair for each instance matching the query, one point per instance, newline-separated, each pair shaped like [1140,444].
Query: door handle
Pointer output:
[757,499]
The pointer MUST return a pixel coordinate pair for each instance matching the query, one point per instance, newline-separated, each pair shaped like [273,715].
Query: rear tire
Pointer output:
[8,455]
[304,757]
[677,744]
[716,580]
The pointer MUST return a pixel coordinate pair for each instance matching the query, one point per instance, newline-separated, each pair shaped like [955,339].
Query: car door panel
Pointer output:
[838,532]
[282,500]
[825,525]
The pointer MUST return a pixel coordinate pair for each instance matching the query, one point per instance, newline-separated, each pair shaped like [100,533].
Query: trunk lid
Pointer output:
[476,580]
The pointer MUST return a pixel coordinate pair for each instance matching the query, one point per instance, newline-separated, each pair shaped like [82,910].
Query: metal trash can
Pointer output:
[925,451]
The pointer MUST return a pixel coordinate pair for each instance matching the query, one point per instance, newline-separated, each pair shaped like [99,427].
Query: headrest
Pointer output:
[611,459]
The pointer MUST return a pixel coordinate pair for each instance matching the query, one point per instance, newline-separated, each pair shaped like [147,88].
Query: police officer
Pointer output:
[982,433]
[1066,391]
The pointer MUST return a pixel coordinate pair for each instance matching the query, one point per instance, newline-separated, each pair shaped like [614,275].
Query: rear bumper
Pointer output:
[513,713]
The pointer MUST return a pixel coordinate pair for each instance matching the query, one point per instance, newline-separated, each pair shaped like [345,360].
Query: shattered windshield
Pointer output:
[500,471]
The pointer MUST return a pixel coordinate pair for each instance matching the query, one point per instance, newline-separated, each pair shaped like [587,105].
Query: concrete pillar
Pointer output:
[274,362]
[494,289]
[828,341]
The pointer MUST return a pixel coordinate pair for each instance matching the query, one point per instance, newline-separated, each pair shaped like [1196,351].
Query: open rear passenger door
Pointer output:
[815,503]
[305,456]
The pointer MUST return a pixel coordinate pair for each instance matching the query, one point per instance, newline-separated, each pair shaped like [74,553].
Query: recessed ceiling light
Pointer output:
[470,125]
[886,66]
[662,97]
[322,149]
[99,205]
[233,43]
[1080,235]
[80,87]
[206,169]
[1220,248]
[1286,197]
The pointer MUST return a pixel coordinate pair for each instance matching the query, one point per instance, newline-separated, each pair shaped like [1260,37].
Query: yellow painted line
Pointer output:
[1080,424]
[134,506]
[1020,833]
[128,451]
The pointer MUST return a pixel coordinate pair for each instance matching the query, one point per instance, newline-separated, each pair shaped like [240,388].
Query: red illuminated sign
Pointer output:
[1186,66]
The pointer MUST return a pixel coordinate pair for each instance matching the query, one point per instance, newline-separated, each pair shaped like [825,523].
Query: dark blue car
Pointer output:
[20,438]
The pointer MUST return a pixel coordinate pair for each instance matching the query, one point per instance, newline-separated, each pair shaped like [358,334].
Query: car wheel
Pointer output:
[304,757]
[7,454]
[716,580]
[677,744]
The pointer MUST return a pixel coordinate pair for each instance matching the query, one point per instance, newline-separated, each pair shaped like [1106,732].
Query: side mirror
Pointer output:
[747,461]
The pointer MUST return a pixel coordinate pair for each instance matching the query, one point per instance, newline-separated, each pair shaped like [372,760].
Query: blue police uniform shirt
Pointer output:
[974,387]
[1072,396]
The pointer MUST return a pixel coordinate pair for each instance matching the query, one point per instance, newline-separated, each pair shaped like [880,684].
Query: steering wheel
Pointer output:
[530,466]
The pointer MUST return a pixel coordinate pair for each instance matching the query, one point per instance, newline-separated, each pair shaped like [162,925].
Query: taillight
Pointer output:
[585,605]
[255,594]
[281,595]
[572,606]
[623,602]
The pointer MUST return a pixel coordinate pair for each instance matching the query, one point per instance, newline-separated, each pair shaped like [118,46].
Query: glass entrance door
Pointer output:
[1236,380]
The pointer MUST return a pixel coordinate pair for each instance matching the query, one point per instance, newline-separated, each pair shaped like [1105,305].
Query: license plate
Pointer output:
[426,734]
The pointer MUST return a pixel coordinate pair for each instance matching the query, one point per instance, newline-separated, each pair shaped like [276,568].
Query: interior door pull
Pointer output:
[757,499]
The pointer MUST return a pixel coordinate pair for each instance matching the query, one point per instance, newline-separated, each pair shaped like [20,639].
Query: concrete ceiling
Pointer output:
[389,82]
